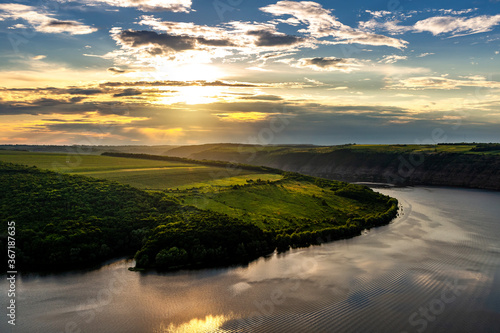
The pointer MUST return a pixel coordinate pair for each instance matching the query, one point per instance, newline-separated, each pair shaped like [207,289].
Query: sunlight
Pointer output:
[244,116]
[209,324]
[189,72]
[193,95]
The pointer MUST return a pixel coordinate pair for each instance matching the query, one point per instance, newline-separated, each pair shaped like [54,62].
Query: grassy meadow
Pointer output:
[279,204]
[140,173]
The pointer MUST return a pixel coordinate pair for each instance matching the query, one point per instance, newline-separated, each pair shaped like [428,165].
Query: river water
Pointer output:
[436,268]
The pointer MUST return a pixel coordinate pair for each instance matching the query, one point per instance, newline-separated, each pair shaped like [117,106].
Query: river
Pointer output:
[434,268]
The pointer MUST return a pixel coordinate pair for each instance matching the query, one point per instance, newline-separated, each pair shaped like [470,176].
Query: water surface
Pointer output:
[435,268]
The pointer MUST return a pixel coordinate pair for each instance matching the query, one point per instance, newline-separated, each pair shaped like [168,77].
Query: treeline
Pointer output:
[457,144]
[203,239]
[353,227]
[221,164]
[486,147]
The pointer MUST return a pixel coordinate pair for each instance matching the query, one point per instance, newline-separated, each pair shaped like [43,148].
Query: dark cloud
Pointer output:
[57,23]
[77,99]
[264,97]
[324,62]
[60,91]
[116,70]
[68,106]
[81,91]
[128,92]
[269,38]
[135,38]
[48,102]
[75,126]
[176,84]
[139,38]
[328,64]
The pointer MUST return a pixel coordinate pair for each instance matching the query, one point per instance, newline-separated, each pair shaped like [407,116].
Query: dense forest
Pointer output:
[68,221]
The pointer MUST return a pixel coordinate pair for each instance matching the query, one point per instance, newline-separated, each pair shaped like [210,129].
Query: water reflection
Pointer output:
[208,324]
[378,282]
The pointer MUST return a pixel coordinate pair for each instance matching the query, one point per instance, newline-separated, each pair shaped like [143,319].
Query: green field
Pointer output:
[300,205]
[140,173]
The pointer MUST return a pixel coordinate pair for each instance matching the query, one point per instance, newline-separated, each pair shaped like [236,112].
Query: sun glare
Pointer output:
[209,324]
[192,95]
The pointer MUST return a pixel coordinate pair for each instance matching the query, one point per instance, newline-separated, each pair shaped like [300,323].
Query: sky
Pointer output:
[155,72]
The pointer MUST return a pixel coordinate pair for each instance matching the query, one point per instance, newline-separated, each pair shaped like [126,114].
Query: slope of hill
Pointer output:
[446,165]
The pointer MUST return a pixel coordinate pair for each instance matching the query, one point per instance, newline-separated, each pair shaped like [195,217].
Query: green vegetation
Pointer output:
[255,152]
[293,204]
[241,213]
[153,174]
[462,164]
[65,221]
[487,147]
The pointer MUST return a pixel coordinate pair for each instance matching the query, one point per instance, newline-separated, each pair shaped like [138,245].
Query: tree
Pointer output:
[171,257]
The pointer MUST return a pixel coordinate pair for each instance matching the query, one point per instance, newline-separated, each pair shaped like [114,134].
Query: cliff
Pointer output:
[400,168]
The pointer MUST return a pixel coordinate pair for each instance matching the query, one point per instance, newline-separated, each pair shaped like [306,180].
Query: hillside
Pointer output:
[473,165]
[68,220]
[150,174]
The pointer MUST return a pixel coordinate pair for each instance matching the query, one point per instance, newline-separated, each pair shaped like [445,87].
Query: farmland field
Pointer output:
[140,173]
[273,205]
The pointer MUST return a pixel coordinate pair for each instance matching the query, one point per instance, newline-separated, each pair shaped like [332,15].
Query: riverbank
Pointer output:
[467,165]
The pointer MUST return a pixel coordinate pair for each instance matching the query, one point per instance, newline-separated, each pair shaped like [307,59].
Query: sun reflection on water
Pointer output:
[209,324]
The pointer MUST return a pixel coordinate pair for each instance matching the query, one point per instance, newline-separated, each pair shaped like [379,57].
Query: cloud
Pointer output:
[177,43]
[269,38]
[58,120]
[391,59]
[442,83]
[58,91]
[457,26]
[182,28]
[177,84]
[80,91]
[320,23]
[378,13]
[454,26]
[128,92]
[43,22]
[313,81]
[116,70]
[146,5]
[263,98]
[457,12]
[164,42]
[234,34]
[245,117]
[327,64]
[17,26]
[425,54]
